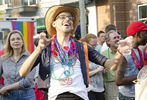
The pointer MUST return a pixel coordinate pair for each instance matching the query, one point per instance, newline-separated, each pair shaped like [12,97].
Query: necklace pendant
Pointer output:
[67,73]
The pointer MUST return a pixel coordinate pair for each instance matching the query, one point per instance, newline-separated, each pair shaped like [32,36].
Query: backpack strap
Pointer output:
[86,60]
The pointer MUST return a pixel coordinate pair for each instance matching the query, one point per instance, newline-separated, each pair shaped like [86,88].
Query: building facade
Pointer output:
[120,13]
[100,12]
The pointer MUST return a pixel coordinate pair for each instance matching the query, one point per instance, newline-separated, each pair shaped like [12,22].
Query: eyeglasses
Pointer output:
[64,17]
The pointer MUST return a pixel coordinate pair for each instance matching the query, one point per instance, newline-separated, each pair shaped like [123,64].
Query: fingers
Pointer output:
[6,94]
[122,43]
[42,39]
[100,68]
[105,70]
[126,44]
[49,40]
[42,35]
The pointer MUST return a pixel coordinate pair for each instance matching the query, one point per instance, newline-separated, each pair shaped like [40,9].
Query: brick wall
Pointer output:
[118,12]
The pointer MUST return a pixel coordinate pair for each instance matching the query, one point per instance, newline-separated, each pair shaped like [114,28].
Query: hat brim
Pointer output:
[54,11]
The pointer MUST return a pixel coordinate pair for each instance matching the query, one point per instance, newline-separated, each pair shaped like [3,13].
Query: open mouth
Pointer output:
[66,24]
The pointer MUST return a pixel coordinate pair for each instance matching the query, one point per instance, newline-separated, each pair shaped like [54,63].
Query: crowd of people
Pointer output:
[92,68]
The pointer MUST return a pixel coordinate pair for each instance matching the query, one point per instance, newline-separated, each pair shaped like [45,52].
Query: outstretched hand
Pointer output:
[124,47]
[43,41]
[126,44]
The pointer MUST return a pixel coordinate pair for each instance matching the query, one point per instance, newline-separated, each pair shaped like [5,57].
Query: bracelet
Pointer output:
[119,52]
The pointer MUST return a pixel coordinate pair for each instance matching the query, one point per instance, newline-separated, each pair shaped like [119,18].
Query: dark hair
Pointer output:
[140,32]
[100,32]
[110,27]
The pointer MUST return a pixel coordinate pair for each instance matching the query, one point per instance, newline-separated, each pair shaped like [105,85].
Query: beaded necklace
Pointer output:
[139,64]
[67,57]
[66,72]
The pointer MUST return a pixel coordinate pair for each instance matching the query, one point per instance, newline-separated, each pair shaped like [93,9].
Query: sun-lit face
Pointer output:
[16,41]
[114,38]
[64,22]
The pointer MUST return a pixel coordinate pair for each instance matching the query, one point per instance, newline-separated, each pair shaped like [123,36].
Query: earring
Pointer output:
[54,24]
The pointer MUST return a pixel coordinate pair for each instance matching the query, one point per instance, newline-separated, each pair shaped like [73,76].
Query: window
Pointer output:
[30,2]
[142,12]
[7,1]
[1,2]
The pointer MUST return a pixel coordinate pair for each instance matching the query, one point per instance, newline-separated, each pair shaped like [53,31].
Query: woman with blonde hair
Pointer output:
[16,87]
[96,88]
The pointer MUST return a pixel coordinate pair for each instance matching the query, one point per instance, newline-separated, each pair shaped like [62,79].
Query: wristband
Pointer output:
[119,52]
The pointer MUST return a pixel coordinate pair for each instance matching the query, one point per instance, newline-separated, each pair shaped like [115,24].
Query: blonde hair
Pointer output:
[8,49]
[88,37]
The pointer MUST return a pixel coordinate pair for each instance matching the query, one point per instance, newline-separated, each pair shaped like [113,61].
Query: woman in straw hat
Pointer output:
[62,58]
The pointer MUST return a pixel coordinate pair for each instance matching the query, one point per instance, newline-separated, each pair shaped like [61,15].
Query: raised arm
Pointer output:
[114,62]
[27,65]
[99,59]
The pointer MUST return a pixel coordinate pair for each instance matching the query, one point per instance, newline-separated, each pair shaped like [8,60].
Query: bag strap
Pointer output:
[86,60]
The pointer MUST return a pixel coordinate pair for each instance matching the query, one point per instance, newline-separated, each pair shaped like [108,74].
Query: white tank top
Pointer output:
[73,84]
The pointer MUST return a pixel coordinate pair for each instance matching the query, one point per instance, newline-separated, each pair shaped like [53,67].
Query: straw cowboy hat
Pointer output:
[54,11]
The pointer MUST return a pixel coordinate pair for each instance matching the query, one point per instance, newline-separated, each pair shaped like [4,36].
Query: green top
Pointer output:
[110,75]
[98,48]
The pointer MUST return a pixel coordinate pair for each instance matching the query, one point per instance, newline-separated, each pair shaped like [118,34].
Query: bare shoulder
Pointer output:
[122,66]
